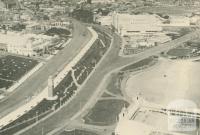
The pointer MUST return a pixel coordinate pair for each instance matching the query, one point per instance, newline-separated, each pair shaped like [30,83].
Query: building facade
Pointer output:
[24,44]
[127,24]
[102,1]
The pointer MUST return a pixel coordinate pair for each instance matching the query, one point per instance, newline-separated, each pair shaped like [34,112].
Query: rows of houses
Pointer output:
[45,25]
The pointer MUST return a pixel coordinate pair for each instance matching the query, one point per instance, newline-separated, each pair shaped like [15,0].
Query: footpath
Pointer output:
[44,94]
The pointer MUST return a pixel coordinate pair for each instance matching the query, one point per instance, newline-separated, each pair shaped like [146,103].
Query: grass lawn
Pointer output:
[179,52]
[136,65]
[105,94]
[114,85]
[105,112]
[77,132]
[58,31]
[5,84]
[197,60]
[13,67]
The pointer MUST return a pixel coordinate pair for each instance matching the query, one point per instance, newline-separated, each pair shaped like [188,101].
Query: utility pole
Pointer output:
[60,101]
[36,116]
[42,130]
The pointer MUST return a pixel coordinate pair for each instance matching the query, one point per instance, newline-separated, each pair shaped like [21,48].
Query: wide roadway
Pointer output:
[38,81]
[108,64]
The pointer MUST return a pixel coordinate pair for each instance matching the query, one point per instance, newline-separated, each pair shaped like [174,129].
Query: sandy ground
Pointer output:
[167,81]
[149,118]
[164,83]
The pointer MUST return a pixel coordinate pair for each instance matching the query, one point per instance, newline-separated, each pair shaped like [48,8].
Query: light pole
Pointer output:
[36,116]
[61,101]
[42,131]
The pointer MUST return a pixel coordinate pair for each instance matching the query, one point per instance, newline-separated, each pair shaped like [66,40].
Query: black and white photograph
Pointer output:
[99,67]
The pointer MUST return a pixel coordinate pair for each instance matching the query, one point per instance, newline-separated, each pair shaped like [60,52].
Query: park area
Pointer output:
[138,65]
[64,90]
[180,52]
[59,32]
[12,68]
[105,112]
[186,50]
[77,132]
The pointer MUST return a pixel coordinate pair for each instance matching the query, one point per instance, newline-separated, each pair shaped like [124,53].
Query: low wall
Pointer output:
[44,94]
[26,76]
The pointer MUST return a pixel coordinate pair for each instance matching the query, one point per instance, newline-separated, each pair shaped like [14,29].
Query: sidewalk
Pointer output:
[26,76]
[44,94]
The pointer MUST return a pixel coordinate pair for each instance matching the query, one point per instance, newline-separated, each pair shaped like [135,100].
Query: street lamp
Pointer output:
[61,101]
[36,116]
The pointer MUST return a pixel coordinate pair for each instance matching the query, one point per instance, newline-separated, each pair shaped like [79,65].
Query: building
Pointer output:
[10,3]
[2,9]
[127,24]
[2,6]
[139,31]
[24,44]
[60,9]
[179,21]
[25,16]
[195,20]
[45,25]
[102,1]
[105,20]
[145,40]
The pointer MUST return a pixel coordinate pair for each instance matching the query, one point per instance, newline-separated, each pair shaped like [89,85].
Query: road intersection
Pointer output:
[112,61]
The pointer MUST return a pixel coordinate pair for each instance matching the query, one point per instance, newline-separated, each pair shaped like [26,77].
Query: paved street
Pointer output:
[111,62]
[38,80]
[101,130]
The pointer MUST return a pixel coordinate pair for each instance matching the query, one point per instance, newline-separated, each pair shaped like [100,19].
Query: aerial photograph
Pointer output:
[99,67]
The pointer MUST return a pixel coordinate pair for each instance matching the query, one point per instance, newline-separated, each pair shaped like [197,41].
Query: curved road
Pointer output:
[38,81]
[111,62]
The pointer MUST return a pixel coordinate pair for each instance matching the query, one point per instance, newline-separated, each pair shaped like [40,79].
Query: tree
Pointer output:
[83,15]
[89,1]
[18,27]
[45,17]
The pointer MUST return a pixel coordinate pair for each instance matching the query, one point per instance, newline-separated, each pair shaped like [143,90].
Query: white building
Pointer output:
[105,20]
[2,9]
[103,1]
[25,16]
[195,20]
[126,24]
[145,40]
[45,25]
[24,44]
